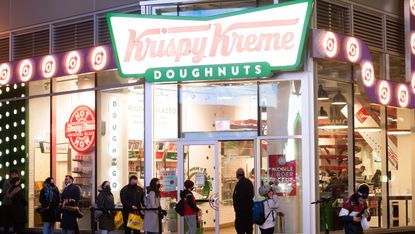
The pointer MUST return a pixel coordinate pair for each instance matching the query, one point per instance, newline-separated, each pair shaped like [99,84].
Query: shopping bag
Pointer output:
[364,223]
[134,221]
[118,220]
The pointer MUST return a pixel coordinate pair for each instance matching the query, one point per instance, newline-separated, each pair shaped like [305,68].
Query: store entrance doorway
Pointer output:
[212,165]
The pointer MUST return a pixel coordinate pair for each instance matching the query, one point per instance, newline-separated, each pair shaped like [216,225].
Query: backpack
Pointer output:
[258,212]
[180,207]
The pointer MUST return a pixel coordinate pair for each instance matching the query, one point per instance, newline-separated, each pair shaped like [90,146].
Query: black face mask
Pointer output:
[159,186]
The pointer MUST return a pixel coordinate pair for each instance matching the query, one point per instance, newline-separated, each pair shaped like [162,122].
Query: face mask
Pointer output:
[159,186]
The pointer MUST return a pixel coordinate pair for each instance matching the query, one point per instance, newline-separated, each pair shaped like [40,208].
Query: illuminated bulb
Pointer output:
[1,129]
[7,114]
[7,89]
[22,109]
[23,84]
[1,166]
[14,162]
[22,147]
[1,190]
[22,95]
[1,116]
[7,139]
[1,91]
[22,186]
[1,178]
[14,111]
[23,122]
[7,176]
[1,153]
[14,136]
[22,173]
[15,86]
[7,165]
[14,149]
[7,151]
[7,103]
[22,160]
[0,203]
[1,141]
[14,124]
[22,134]
[7,126]
[1,104]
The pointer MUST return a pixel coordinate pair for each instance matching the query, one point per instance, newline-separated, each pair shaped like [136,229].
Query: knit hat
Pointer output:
[188,184]
[264,189]
[363,191]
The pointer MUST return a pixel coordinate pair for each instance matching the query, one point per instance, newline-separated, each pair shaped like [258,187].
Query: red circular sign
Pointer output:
[80,129]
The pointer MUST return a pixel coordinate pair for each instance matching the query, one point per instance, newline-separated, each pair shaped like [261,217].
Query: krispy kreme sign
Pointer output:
[245,44]
[80,129]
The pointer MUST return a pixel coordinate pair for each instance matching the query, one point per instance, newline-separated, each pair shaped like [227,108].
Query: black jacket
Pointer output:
[242,197]
[105,201]
[131,195]
[352,205]
[18,204]
[189,199]
[69,217]
[51,204]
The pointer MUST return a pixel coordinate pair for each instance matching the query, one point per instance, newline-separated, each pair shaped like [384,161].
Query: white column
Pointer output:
[148,133]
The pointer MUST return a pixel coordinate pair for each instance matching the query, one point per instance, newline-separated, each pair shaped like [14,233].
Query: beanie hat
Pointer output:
[363,191]
[264,190]
[188,184]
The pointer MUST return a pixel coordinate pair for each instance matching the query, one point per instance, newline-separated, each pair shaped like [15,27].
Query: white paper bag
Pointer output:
[364,223]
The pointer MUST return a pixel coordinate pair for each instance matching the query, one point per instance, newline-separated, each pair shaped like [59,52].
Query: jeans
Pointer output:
[104,231]
[267,231]
[65,231]
[191,223]
[48,228]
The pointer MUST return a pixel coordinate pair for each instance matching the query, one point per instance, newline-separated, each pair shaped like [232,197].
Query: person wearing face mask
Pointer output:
[49,201]
[18,205]
[152,218]
[132,199]
[190,209]
[6,204]
[105,202]
[354,209]
[70,211]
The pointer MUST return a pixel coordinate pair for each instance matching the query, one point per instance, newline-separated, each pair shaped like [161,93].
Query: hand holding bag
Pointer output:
[364,223]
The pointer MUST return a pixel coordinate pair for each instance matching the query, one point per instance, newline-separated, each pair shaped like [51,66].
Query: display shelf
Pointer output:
[82,161]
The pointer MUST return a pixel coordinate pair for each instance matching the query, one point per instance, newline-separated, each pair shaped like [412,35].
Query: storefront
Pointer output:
[248,84]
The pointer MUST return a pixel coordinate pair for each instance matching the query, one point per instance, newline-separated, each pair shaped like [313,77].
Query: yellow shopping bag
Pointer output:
[134,221]
[118,219]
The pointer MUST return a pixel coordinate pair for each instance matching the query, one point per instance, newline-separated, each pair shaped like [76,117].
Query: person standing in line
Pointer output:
[190,208]
[242,203]
[105,202]
[70,211]
[271,203]
[132,199]
[152,218]
[6,204]
[49,201]
[18,205]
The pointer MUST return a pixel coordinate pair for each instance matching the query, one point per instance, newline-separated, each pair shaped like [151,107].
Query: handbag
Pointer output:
[97,212]
[134,221]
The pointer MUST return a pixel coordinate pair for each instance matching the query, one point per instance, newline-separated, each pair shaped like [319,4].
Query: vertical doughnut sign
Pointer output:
[238,45]
[80,129]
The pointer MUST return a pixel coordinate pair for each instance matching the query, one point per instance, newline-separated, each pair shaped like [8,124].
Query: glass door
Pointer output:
[198,163]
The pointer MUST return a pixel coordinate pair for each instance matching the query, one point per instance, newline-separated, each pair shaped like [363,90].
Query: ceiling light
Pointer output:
[322,94]
[322,114]
[399,132]
[339,99]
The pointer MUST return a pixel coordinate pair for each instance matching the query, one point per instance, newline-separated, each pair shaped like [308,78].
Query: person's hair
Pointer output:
[240,172]
[70,177]
[189,184]
[103,184]
[133,177]
[48,180]
[14,171]
[153,187]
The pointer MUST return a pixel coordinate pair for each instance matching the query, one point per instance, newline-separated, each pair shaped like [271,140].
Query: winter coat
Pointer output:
[49,200]
[243,197]
[68,216]
[18,204]
[190,207]
[270,206]
[352,208]
[131,195]
[5,188]
[105,202]
[151,217]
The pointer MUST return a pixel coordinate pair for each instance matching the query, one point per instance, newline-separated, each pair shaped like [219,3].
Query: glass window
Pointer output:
[165,111]
[334,148]
[397,69]
[281,166]
[400,157]
[75,82]
[73,143]
[369,154]
[112,78]
[120,137]
[280,108]
[328,69]
[219,107]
